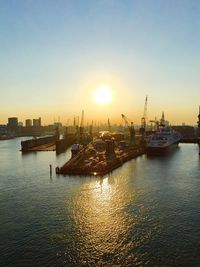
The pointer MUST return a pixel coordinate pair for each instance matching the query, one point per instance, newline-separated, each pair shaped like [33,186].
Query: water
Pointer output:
[145,213]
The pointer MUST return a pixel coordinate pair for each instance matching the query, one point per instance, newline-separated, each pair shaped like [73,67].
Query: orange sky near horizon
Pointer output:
[55,54]
[119,103]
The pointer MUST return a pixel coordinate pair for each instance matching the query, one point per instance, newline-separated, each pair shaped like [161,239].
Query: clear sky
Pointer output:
[54,54]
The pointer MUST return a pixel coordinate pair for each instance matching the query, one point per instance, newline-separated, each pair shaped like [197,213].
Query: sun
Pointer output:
[103,94]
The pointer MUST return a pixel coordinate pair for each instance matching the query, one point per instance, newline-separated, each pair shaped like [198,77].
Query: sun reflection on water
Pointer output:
[100,217]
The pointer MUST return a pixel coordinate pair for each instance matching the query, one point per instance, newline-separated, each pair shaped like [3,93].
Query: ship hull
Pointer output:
[160,150]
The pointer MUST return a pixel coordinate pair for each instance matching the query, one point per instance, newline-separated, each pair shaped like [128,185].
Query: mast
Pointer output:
[162,120]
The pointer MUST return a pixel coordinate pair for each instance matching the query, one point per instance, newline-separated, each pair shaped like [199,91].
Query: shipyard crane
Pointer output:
[130,128]
[109,126]
[143,119]
[98,127]
[57,132]
[82,119]
[91,130]
[74,122]
[81,128]
[76,125]
[66,128]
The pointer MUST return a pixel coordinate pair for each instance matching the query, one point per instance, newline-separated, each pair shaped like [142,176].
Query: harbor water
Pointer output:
[146,213]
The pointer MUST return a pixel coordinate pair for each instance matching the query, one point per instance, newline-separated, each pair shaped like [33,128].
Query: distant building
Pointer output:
[37,122]
[58,124]
[12,125]
[3,129]
[12,122]
[28,122]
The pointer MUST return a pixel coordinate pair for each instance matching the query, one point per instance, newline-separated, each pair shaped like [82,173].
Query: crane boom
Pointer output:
[125,120]
[130,127]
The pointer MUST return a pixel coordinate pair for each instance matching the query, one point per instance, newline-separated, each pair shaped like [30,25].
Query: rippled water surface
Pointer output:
[145,213]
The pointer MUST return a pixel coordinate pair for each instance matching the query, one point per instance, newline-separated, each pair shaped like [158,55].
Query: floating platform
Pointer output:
[45,147]
[47,143]
[90,162]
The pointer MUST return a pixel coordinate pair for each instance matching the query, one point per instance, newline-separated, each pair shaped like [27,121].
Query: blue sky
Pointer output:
[53,54]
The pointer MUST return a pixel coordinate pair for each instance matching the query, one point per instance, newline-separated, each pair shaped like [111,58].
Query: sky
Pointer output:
[54,54]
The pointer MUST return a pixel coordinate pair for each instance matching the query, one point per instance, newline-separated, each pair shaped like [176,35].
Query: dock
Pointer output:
[91,163]
[45,147]
[47,143]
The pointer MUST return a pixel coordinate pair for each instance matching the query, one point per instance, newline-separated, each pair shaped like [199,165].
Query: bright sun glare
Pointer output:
[103,95]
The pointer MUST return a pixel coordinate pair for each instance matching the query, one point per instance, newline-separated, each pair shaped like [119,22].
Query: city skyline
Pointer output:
[55,55]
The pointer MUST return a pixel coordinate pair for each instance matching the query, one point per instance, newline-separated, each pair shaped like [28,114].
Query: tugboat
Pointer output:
[163,139]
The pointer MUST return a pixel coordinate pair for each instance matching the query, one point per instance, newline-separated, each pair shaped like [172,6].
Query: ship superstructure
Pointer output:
[163,139]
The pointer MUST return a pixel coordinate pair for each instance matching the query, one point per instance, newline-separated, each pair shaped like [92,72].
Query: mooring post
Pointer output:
[57,170]
[50,168]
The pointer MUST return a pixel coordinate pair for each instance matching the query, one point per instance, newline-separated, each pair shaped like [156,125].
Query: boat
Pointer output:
[162,140]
